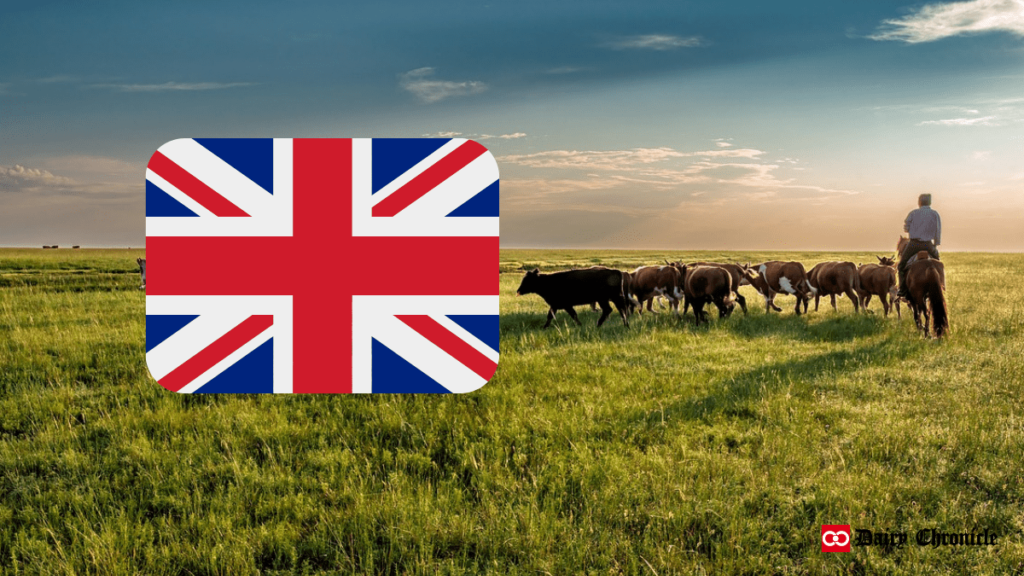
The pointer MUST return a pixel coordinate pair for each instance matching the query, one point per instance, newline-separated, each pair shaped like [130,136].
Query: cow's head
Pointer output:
[754,278]
[886,261]
[529,283]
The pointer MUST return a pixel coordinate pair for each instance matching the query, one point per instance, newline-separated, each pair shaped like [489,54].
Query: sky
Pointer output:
[736,125]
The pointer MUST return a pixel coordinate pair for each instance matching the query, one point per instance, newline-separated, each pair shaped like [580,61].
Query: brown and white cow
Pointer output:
[775,277]
[707,284]
[832,278]
[879,280]
[648,282]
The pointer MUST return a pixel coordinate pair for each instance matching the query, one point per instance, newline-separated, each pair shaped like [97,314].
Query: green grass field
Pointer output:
[658,449]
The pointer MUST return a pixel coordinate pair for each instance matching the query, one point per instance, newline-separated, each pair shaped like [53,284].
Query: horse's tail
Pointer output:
[937,301]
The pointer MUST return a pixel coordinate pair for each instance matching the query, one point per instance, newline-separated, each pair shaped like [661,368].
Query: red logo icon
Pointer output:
[835,537]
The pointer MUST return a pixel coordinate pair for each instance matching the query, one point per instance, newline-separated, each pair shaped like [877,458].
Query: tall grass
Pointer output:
[661,448]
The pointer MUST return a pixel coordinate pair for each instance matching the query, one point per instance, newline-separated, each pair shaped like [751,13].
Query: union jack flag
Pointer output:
[322,265]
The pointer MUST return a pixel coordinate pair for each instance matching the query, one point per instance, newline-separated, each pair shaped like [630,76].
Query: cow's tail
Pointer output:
[937,301]
[627,291]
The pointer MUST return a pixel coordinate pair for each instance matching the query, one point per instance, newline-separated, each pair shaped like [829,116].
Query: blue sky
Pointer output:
[733,125]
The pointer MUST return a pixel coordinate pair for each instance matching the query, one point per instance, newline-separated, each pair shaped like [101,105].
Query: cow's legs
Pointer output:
[834,307]
[606,311]
[771,300]
[817,299]
[698,311]
[867,299]
[896,303]
[572,314]
[853,298]
[742,302]
[622,306]
[720,304]
[551,316]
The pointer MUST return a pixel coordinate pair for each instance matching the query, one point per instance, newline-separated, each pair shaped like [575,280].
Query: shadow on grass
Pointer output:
[731,395]
[833,327]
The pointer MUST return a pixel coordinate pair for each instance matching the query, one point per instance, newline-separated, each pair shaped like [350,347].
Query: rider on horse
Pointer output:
[925,229]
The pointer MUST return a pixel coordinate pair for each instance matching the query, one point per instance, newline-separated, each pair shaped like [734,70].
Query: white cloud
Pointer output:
[18,178]
[173,86]
[981,155]
[419,83]
[443,134]
[57,79]
[670,171]
[513,136]
[654,42]
[936,21]
[92,177]
[981,121]
[592,160]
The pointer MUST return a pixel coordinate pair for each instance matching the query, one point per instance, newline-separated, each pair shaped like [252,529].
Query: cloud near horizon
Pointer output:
[937,21]
[428,90]
[174,86]
[653,42]
[981,121]
[649,181]
[18,178]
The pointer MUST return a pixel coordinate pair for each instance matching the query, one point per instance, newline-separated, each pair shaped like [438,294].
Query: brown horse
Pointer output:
[926,282]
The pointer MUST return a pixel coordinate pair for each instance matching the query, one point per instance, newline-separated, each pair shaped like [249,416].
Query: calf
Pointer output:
[563,290]
[142,265]
[647,282]
[704,284]
[832,278]
[879,280]
[775,277]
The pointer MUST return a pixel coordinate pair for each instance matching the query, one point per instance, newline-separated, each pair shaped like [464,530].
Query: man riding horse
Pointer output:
[925,229]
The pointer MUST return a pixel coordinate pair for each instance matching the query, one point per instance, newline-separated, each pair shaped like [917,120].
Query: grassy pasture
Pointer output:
[658,449]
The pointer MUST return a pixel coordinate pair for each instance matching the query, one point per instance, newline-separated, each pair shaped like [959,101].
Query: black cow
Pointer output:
[563,290]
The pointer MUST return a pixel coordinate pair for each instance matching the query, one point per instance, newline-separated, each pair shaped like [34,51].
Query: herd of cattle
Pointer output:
[699,284]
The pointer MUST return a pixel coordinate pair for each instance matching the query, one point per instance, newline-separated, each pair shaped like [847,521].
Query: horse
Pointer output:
[926,283]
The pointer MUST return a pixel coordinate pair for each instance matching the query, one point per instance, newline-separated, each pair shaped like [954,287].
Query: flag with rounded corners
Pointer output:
[322,265]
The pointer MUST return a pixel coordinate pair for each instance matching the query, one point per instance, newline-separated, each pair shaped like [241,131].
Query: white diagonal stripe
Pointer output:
[218,315]
[230,360]
[416,170]
[189,341]
[426,356]
[178,195]
[455,191]
[467,336]
[223,178]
